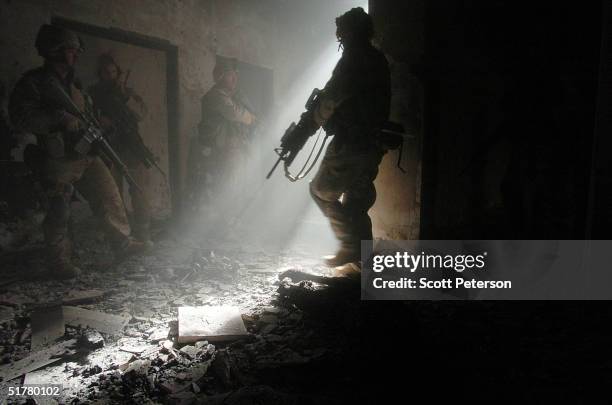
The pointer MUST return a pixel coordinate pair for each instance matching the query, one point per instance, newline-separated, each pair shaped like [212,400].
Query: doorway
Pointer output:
[153,74]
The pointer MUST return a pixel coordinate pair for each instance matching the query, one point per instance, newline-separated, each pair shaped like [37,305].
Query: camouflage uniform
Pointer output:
[224,129]
[353,106]
[33,110]
[110,101]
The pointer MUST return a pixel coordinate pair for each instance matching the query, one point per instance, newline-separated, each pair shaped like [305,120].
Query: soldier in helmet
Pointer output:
[353,106]
[121,110]
[224,134]
[33,108]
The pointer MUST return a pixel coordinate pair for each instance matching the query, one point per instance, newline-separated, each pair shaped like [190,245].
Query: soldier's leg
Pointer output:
[116,173]
[358,200]
[141,208]
[348,175]
[59,174]
[99,189]
[55,227]
[142,216]
[327,187]
[336,173]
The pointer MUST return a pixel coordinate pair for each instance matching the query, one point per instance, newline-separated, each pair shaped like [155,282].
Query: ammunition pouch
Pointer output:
[389,141]
[390,136]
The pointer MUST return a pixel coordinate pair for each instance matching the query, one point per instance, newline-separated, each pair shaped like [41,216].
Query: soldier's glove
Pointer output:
[307,126]
[297,135]
[70,123]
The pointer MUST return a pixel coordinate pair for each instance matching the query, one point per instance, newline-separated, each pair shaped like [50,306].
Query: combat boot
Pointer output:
[131,248]
[141,233]
[344,256]
[350,270]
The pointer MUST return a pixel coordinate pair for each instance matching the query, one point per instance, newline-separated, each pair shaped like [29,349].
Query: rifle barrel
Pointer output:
[274,167]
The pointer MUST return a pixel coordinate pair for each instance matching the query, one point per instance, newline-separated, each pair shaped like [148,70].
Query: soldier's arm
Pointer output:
[336,91]
[27,112]
[233,111]
[136,104]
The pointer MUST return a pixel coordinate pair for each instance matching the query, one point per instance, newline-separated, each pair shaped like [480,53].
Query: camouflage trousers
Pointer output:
[141,209]
[90,176]
[343,188]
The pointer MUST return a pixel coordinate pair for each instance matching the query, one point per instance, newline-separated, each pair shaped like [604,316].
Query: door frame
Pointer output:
[172,88]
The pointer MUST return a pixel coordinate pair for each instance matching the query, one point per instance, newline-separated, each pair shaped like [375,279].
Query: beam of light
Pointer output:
[277,213]
[285,208]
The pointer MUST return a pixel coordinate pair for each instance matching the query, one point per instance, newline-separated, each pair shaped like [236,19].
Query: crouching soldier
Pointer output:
[33,108]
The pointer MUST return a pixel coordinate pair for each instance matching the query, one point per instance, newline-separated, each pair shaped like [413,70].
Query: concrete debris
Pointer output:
[47,326]
[172,387]
[220,323]
[145,353]
[81,296]
[221,367]
[267,329]
[136,349]
[105,323]
[190,351]
[15,299]
[93,370]
[36,360]
[121,360]
[138,367]
[6,314]
[91,339]
[167,344]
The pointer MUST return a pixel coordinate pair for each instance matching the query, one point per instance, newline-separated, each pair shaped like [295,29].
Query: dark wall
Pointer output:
[599,219]
[400,35]
[509,109]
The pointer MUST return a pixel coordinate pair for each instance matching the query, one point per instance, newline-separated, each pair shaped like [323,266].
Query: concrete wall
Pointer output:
[509,112]
[180,22]
[501,98]
[263,33]
[400,35]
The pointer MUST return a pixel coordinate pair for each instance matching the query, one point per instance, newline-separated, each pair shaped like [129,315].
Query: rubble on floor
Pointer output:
[215,323]
[122,330]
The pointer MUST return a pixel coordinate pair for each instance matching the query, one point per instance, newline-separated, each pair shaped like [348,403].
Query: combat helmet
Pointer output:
[356,22]
[52,38]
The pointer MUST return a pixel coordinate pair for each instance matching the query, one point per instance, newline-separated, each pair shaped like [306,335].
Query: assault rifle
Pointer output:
[390,136]
[126,124]
[93,136]
[296,135]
